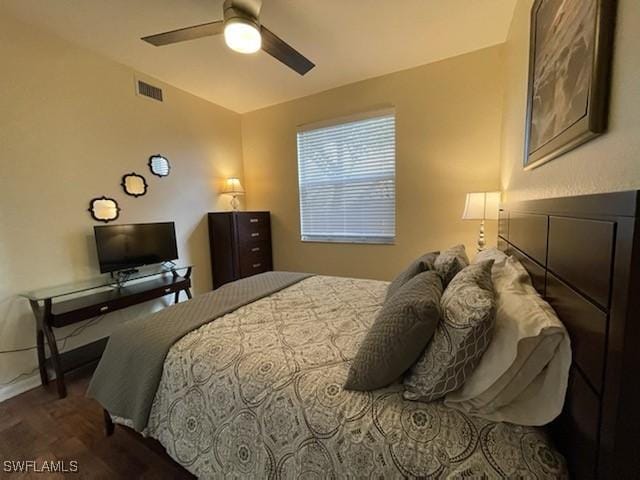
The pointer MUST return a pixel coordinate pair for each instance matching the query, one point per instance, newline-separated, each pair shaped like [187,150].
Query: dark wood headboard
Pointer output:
[583,256]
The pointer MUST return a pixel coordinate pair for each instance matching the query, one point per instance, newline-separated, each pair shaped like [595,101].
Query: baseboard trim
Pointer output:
[24,385]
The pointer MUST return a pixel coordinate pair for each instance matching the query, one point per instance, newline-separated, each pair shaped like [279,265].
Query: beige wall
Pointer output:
[70,127]
[608,163]
[448,143]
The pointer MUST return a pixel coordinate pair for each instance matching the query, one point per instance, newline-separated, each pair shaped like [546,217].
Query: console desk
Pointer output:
[53,309]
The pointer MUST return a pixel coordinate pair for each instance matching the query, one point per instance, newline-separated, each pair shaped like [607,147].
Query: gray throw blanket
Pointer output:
[130,369]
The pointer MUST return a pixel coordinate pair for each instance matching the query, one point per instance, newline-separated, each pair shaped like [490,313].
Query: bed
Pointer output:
[257,393]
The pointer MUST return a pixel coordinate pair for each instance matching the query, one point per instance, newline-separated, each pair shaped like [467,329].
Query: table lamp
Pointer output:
[232,186]
[481,206]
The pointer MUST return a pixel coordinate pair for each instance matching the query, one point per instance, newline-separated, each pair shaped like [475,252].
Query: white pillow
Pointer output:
[522,377]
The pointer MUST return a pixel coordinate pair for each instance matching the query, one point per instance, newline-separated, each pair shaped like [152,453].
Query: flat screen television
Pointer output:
[126,247]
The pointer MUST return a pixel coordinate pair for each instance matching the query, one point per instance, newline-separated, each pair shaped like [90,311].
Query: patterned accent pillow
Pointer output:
[468,313]
[421,264]
[450,262]
[402,329]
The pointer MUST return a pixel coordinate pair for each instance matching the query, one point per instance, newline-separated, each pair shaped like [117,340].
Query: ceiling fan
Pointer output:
[242,33]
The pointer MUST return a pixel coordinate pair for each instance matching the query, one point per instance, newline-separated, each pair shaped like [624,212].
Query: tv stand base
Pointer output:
[50,315]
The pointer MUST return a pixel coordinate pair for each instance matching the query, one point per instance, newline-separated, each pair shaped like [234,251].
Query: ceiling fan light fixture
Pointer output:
[242,35]
[243,32]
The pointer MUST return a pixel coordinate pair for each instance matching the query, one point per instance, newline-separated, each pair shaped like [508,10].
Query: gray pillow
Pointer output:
[403,327]
[450,262]
[421,264]
[468,316]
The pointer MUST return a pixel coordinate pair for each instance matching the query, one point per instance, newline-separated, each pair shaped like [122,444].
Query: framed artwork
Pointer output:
[569,76]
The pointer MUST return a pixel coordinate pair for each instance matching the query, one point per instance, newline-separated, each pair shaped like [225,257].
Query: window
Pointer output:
[346,174]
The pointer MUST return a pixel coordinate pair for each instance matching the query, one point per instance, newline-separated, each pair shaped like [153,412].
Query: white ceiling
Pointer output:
[348,40]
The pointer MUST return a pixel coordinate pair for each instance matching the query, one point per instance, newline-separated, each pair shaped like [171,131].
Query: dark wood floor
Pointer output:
[38,426]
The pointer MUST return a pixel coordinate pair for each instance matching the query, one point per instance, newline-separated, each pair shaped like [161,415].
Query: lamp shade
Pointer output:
[233,186]
[481,206]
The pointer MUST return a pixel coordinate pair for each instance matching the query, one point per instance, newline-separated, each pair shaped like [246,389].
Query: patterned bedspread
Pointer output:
[258,394]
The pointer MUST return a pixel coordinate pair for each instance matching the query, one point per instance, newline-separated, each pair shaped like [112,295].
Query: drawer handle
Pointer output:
[167,290]
[256,265]
[255,249]
[253,220]
[256,234]
[104,308]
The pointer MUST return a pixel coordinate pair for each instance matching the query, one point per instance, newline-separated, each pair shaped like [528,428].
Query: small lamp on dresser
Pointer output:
[233,187]
[481,206]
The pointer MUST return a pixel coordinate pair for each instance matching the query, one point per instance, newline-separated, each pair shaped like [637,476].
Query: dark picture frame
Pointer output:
[585,110]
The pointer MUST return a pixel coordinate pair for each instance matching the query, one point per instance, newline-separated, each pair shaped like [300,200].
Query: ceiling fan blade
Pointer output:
[284,52]
[184,34]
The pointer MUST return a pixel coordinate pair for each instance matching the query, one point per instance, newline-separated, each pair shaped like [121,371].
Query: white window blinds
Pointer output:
[346,175]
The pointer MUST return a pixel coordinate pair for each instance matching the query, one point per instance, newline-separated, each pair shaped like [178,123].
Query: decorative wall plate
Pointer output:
[134,184]
[104,209]
[159,165]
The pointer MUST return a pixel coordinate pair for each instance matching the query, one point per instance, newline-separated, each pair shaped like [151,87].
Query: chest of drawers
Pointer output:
[240,244]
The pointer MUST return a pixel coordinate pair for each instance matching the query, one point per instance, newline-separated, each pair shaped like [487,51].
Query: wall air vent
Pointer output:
[149,91]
